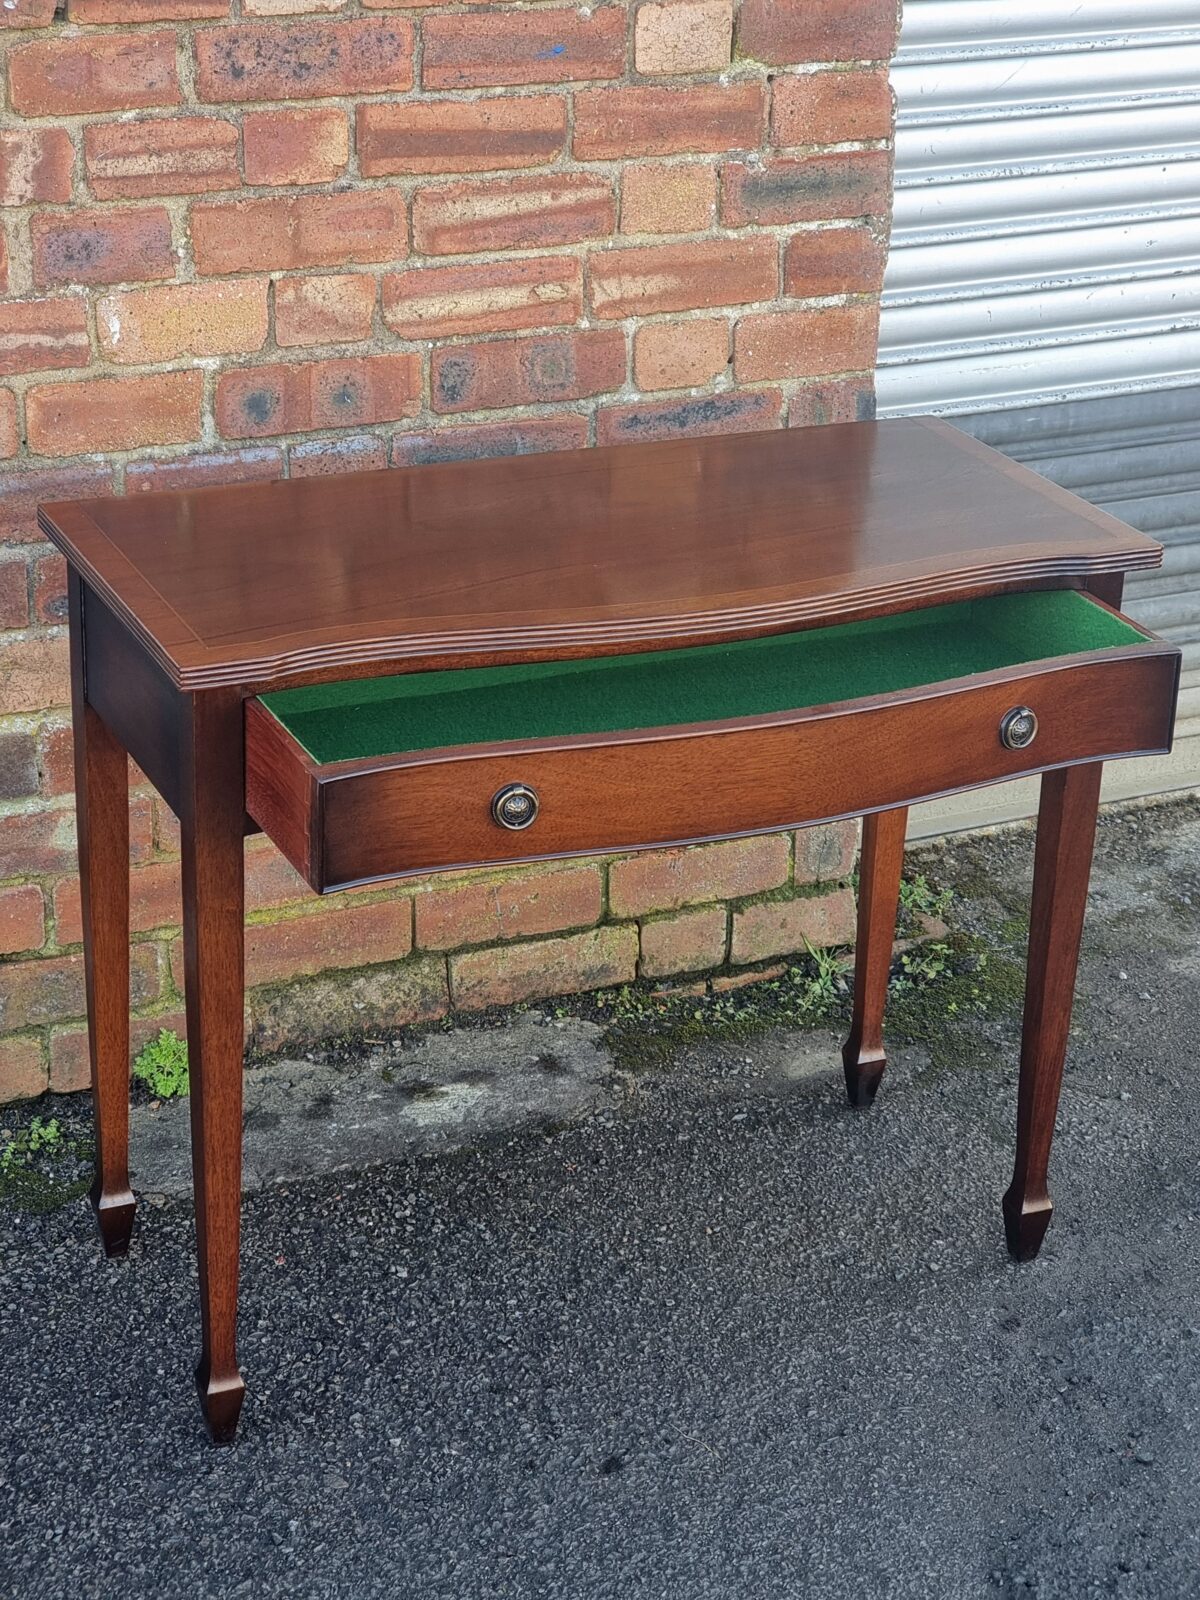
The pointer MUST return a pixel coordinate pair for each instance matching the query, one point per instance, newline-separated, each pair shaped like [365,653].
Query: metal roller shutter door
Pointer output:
[1044,283]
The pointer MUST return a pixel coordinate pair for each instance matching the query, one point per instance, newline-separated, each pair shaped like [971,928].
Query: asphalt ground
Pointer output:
[697,1331]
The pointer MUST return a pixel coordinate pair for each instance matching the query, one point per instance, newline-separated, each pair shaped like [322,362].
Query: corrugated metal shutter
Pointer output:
[1044,283]
[1046,242]
[1141,461]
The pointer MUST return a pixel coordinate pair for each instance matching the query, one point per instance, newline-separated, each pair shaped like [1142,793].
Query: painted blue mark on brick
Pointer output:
[554,50]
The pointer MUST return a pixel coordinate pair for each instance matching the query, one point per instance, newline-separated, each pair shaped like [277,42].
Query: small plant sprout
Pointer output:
[43,1133]
[920,899]
[162,1065]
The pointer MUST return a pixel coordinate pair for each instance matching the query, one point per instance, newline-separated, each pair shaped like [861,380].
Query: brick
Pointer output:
[642,279]
[450,915]
[22,1063]
[668,880]
[67,419]
[461,136]
[27,14]
[35,166]
[480,51]
[487,440]
[781,32]
[803,344]
[38,841]
[787,927]
[282,8]
[324,939]
[97,72]
[295,146]
[512,213]
[23,489]
[33,993]
[321,458]
[10,438]
[668,197]
[14,595]
[260,465]
[831,261]
[70,1060]
[113,246]
[166,155]
[166,832]
[109,11]
[270,879]
[286,8]
[364,1000]
[831,108]
[337,308]
[141,820]
[728,412]
[34,674]
[304,60]
[148,326]
[843,400]
[293,231]
[681,36]
[434,302]
[56,758]
[22,919]
[645,120]
[680,355]
[508,974]
[536,371]
[825,854]
[727,982]
[18,765]
[852,183]
[690,942]
[342,392]
[154,901]
[50,590]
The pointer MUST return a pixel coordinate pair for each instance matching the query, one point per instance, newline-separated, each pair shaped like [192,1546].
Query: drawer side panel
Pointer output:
[281,791]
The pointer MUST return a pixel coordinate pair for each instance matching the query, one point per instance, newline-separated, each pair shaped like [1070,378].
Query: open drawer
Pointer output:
[383,777]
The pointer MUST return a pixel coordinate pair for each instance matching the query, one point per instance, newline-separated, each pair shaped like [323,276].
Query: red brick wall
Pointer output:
[253,238]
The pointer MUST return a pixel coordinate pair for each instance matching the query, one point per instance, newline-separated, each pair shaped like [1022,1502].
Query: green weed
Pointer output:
[43,1133]
[162,1065]
[41,1167]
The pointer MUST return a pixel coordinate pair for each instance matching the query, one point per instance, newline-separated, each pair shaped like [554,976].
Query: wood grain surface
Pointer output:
[579,552]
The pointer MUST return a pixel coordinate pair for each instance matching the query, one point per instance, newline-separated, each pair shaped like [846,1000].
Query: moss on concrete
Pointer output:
[41,1176]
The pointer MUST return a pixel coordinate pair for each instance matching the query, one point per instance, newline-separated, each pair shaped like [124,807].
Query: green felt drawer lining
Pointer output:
[785,672]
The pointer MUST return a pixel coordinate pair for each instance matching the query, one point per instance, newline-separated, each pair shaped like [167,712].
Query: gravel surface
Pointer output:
[716,1337]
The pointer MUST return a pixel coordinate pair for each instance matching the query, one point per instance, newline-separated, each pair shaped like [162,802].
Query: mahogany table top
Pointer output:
[580,552]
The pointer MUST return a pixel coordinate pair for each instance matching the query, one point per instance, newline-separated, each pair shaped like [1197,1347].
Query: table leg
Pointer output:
[880,864]
[1062,866]
[212,832]
[102,810]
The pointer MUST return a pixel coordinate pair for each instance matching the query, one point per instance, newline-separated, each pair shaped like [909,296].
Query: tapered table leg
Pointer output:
[212,832]
[1062,866]
[880,866]
[102,809]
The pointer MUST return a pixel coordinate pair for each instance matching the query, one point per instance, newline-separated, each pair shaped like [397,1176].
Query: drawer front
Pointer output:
[345,825]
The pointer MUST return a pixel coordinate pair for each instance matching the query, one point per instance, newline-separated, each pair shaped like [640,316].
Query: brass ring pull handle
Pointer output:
[1018,728]
[515,807]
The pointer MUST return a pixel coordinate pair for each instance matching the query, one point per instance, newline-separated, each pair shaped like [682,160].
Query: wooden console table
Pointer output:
[610,650]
